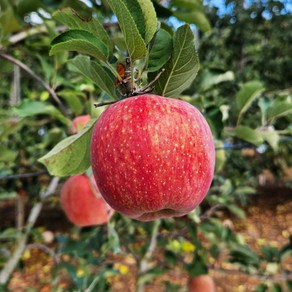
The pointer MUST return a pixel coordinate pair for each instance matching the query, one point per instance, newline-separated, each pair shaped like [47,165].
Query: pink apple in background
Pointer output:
[152,157]
[82,202]
[203,283]
[79,123]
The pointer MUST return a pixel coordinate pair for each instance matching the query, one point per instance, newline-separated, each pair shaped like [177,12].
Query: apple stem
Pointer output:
[96,105]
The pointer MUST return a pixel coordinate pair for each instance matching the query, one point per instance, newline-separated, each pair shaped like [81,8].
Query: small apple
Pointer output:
[203,283]
[152,157]
[82,202]
[79,123]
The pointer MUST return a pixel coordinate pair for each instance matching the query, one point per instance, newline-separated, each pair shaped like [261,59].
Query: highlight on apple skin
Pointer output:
[152,157]
[83,203]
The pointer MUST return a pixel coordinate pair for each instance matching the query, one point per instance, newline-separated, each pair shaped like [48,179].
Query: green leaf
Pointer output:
[7,196]
[249,135]
[214,117]
[150,19]
[113,237]
[134,40]
[196,17]
[188,4]
[7,155]
[192,11]
[236,211]
[137,14]
[247,94]
[97,73]
[210,78]
[71,156]
[29,108]
[272,137]
[81,41]
[245,256]
[220,156]
[70,18]
[8,20]
[73,99]
[160,51]
[182,68]
[279,109]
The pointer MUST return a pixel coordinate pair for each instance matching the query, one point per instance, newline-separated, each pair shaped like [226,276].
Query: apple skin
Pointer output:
[83,203]
[152,157]
[203,283]
[79,123]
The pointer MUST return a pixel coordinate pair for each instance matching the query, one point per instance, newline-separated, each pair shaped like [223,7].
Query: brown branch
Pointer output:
[36,77]
[23,175]
[272,278]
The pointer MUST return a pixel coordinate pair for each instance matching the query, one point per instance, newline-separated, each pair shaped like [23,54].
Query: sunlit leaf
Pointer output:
[247,94]
[30,108]
[133,38]
[70,18]
[272,137]
[150,19]
[279,109]
[72,155]
[80,41]
[249,135]
[196,17]
[210,78]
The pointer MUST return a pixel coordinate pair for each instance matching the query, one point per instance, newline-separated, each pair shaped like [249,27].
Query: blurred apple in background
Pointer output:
[203,283]
[79,123]
[82,202]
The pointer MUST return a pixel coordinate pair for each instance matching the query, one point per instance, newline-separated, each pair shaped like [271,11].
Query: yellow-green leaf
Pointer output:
[72,155]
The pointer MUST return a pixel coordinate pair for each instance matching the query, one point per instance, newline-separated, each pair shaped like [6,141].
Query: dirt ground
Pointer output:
[268,220]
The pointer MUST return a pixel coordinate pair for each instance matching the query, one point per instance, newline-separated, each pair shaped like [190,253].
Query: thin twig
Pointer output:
[36,77]
[34,213]
[272,278]
[96,105]
[23,175]
[46,249]
[153,81]
[144,264]
[209,212]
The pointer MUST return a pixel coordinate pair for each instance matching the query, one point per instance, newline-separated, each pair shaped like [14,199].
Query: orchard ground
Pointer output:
[268,220]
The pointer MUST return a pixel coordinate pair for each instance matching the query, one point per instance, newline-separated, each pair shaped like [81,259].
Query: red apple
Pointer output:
[203,283]
[82,202]
[152,157]
[79,123]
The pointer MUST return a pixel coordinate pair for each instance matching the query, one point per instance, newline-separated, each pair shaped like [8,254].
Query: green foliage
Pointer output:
[71,18]
[103,78]
[133,36]
[183,66]
[71,155]
[81,41]
[243,89]
[29,108]
[160,50]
